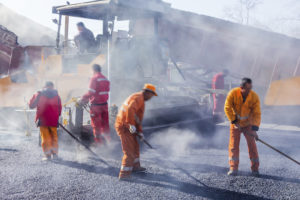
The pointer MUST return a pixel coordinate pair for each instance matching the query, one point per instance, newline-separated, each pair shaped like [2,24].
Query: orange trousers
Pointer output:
[49,140]
[131,151]
[234,148]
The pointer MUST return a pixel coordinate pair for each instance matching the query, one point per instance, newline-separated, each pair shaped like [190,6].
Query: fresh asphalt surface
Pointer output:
[184,166]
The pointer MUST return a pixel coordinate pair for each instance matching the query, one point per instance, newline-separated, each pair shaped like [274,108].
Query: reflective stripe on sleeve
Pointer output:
[124,168]
[92,90]
[136,160]
[102,93]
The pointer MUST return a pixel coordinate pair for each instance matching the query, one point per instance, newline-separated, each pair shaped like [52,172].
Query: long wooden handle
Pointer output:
[148,144]
[87,147]
[145,141]
[278,151]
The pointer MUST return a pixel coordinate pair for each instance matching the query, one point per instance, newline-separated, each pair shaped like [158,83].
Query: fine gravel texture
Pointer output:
[183,166]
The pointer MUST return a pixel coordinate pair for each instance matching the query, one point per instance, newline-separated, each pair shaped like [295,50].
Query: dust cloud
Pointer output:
[28,31]
[213,55]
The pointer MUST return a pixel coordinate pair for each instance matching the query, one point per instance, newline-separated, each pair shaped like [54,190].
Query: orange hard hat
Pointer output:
[150,88]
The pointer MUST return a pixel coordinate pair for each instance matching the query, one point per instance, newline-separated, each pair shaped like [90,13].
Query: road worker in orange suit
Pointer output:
[98,95]
[129,126]
[48,106]
[242,108]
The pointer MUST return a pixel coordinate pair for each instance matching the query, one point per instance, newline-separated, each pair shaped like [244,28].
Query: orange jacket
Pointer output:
[244,113]
[132,112]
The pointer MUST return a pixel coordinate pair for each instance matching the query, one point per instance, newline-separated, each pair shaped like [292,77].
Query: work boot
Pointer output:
[46,158]
[255,173]
[232,173]
[139,169]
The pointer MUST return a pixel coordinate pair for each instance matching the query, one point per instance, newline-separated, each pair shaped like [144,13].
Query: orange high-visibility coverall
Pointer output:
[248,115]
[131,113]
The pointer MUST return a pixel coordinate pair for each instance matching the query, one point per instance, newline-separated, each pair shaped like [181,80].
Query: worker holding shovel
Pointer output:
[128,126]
[242,108]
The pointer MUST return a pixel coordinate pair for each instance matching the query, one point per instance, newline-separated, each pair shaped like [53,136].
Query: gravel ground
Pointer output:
[186,167]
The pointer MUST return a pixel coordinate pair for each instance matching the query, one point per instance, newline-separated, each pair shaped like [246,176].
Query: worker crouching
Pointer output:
[129,126]
[48,104]
[242,108]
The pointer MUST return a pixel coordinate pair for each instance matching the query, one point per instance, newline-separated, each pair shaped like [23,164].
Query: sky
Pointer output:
[267,12]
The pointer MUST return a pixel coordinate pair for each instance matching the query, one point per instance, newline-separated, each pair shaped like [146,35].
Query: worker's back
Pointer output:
[101,86]
[48,105]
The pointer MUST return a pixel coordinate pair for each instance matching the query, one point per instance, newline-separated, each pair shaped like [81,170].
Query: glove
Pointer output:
[251,133]
[237,126]
[141,136]
[132,129]
[254,134]
[80,102]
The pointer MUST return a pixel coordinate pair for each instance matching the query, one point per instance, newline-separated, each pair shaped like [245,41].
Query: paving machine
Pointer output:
[129,59]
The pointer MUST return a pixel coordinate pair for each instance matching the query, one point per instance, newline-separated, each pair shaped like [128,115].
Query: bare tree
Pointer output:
[240,13]
[286,22]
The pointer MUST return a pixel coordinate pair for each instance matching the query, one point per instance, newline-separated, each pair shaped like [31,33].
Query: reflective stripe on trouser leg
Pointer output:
[46,140]
[125,171]
[253,153]
[234,148]
[129,147]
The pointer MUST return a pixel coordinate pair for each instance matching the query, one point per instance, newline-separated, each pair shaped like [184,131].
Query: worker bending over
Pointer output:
[98,95]
[48,106]
[242,108]
[129,126]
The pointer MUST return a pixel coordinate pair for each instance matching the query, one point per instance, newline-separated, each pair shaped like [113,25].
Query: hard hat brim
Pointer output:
[151,91]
